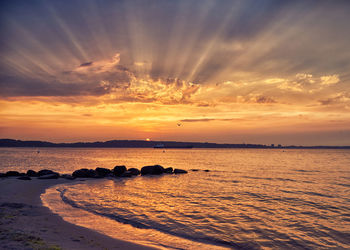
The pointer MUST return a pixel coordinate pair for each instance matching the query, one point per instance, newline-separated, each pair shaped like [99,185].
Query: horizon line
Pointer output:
[279,145]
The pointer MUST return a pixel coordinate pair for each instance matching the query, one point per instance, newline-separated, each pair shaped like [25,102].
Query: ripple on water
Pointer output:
[249,199]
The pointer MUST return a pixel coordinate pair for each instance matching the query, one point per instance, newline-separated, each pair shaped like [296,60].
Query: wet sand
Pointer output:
[26,224]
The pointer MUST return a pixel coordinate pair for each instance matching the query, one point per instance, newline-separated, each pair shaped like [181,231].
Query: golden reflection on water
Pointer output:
[51,198]
[253,198]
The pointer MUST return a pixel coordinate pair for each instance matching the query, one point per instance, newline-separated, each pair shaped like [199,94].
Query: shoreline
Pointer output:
[150,237]
[26,223]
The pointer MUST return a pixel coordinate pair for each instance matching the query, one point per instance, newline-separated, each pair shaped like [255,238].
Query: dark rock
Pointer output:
[103,171]
[32,173]
[207,170]
[49,176]
[194,170]
[119,170]
[45,172]
[134,171]
[110,175]
[22,174]
[85,173]
[67,176]
[153,170]
[80,173]
[93,174]
[168,170]
[180,171]
[126,174]
[12,173]
[147,170]
[3,175]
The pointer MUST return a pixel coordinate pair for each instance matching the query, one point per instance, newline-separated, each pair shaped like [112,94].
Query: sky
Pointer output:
[194,70]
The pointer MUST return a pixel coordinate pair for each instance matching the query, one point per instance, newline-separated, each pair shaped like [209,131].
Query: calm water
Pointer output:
[251,198]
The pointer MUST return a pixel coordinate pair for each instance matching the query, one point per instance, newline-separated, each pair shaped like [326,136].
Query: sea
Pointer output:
[249,198]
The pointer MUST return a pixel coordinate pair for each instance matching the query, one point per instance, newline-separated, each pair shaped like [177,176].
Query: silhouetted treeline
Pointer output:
[147,144]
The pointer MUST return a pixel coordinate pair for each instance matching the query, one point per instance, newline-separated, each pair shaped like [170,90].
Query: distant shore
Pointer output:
[26,223]
[152,144]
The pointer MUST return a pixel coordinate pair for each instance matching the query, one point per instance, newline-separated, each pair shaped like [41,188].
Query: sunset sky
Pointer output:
[225,71]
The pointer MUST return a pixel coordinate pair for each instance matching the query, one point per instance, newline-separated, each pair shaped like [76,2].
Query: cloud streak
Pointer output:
[210,120]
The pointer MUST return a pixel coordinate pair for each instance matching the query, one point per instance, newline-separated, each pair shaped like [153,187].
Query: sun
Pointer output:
[148,139]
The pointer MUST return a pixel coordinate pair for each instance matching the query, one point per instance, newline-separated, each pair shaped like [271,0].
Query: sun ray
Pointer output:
[212,42]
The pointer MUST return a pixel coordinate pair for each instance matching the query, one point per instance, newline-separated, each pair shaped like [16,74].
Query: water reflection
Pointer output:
[250,198]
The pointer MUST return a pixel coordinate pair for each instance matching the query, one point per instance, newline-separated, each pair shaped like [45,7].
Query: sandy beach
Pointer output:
[26,224]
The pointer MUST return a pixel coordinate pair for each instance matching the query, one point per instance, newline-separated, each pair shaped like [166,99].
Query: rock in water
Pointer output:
[45,172]
[32,173]
[25,178]
[134,171]
[119,170]
[93,174]
[126,174]
[168,170]
[152,170]
[85,173]
[12,173]
[103,171]
[147,170]
[80,173]
[180,171]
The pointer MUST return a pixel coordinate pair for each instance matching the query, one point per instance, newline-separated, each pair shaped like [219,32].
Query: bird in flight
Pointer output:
[179,124]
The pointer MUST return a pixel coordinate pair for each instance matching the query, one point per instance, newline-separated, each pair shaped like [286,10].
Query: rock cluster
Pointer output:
[117,171]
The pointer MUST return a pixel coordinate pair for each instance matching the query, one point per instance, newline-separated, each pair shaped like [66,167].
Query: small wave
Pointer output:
[341,237]
[260,197]
[140,225]
[313,204]
[288,191]
[315,215]
[258,178]
[285,179]
[232,244]
[306,171]
[343,184]
[318,194]
[111,216]
[269,178]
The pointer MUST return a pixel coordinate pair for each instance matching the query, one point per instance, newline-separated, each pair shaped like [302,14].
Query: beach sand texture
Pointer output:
[26,224]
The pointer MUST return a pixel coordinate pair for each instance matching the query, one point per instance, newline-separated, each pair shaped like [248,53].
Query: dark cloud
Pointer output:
[200,41]
[86,64]
[122,68]
[15,86]
[91,79]
[198,120]
[264,99]
[209,120]
[339,98]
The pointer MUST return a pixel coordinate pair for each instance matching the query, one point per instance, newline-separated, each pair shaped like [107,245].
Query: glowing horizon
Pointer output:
[230,71]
